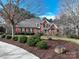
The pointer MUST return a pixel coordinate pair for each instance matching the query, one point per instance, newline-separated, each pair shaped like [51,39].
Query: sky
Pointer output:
[48,8]
[52,8]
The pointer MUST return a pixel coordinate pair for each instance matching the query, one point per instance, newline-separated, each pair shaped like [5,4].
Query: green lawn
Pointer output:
[62,38]
[23,35]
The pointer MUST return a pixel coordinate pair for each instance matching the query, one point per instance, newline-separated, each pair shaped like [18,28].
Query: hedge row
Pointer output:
[22,39]
[32,41]
[25,33]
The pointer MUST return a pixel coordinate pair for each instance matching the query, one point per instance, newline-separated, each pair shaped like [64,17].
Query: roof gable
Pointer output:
[45,21]
[53,26]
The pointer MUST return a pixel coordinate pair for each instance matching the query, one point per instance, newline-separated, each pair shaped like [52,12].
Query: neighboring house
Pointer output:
[35,25]
[48,28]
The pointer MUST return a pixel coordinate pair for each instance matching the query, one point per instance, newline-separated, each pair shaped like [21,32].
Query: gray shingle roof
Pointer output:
[30,23]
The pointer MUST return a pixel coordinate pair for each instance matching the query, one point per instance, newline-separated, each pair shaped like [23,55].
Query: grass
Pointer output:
[25,35]
[62,38]
[22,35]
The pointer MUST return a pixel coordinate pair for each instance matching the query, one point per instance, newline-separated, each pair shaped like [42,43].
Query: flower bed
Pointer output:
[72,53]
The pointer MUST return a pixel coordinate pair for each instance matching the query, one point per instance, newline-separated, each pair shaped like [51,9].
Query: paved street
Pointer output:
[8,51]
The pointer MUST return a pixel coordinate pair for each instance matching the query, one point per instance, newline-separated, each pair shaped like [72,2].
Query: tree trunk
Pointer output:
[13,32]
[76,31]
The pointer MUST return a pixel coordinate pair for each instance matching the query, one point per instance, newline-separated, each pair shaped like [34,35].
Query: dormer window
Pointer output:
[45,25]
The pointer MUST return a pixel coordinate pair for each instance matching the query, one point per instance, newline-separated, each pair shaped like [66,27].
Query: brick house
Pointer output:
[29,25]
[35,25]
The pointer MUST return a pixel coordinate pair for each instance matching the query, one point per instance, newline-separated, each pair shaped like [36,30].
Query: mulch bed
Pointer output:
[72,53]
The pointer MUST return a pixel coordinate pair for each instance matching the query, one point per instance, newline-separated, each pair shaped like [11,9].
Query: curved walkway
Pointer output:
[8,51]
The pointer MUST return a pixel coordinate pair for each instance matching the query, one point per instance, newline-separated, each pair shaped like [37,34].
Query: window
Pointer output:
[38,25]
[18,30]
[45,25]
[27,30]
[31,30]
[23,29]
[45,31]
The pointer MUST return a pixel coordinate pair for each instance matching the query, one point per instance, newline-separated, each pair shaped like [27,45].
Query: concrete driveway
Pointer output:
[8,51]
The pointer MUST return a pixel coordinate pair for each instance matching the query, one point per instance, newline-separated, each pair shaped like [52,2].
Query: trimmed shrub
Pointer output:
[36,37]
[3,36]
[33,41]
[37,40]
[42,45]
[8,37]
[23,33]
[15,38]
[23,39]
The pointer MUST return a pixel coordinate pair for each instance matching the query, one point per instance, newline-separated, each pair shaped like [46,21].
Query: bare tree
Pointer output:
[71,9]
[13,14]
